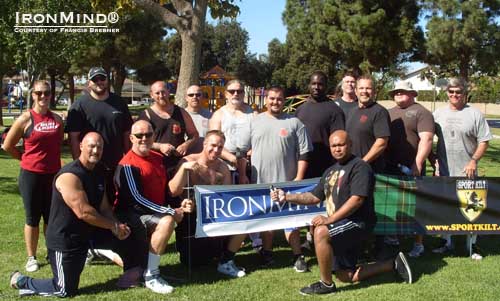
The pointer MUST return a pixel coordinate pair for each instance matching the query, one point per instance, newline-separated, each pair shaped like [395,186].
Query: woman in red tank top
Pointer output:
[42,132]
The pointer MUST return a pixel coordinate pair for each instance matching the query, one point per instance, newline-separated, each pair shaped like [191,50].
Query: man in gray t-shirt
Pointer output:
[199,115]
[194,107]
[463,136]
[280,145]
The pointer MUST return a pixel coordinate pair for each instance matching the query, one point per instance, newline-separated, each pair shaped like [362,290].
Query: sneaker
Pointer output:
[130,278]
[230,269]
[32,264]
[15,279]
[158,284]
[391,240]
[257,244]
[300,265]
[318,288]
[402,267]
[443,249]
[266,257]
[476,253]
[417,251]
[90,257]
[307,245]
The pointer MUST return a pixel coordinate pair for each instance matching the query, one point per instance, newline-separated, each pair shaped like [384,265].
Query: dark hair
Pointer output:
[276,89]
[319,73]
[351,74]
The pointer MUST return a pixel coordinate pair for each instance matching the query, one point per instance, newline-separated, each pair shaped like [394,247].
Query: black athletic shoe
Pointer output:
[318,288]
[266,257]
[402,267]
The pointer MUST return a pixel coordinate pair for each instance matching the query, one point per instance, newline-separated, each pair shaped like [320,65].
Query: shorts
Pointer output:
[141,224]
[36,191]
[347,238]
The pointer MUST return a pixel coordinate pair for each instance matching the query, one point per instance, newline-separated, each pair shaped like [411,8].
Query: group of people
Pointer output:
[132,180]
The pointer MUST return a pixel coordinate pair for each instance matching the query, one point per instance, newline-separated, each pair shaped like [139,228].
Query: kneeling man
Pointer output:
[347,188]
[78,206]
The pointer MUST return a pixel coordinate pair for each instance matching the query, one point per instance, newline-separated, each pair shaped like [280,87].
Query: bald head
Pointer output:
[91,149]
[140,124]
[193,98]
[340,145]
[160,94]
[141,136]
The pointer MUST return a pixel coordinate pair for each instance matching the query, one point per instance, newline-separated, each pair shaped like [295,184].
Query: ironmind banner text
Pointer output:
[404,205]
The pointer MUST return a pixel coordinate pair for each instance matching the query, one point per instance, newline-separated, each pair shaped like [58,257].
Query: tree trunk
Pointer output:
[71,84]
[1,98]
[52,90]
[190,67]
[191,53]
[119,76]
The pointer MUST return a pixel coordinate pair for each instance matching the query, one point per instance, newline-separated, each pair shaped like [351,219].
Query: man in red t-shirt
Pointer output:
[142,188]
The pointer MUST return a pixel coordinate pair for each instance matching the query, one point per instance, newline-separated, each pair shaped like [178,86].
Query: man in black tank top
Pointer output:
[171,124]
[78,206]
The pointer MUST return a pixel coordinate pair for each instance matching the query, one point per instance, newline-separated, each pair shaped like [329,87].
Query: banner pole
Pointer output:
[189,225]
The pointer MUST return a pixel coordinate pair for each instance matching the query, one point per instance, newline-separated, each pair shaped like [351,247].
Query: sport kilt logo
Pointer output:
[472,197]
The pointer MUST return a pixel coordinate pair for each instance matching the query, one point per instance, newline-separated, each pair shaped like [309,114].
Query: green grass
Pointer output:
[437,277]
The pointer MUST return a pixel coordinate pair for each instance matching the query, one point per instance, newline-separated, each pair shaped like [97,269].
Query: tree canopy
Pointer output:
[463,37]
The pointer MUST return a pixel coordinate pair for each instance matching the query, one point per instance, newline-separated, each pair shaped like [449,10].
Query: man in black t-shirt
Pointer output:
[321,116]
[368,125]
[347,188]
[102,112]
[78,206]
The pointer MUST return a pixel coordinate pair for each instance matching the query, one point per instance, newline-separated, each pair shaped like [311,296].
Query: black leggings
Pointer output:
[36,191]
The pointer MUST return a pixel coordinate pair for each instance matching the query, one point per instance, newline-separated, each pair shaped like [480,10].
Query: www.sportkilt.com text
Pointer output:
[464,227]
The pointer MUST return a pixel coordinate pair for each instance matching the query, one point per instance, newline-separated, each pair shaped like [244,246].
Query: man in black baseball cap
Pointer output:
[94,71]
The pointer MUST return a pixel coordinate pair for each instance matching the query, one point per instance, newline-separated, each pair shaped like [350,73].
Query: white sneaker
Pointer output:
[230,269]
[417,251]
[32,264]
[158,284]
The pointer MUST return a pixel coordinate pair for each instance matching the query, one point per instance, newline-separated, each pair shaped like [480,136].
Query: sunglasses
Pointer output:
[98,78]
[40,93]
[455,91]
[233,91]
[140,135]
[194,94]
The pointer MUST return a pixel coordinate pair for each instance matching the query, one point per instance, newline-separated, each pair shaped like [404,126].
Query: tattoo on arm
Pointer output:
[302,198]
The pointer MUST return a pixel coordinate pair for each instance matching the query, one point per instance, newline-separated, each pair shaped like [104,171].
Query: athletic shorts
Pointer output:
[347,238]
[36,191]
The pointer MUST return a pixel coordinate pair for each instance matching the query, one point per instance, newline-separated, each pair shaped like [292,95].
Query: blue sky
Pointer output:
[262,20]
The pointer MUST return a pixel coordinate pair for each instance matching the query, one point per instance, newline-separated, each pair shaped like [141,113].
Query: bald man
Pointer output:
[199,114]
[142,202]
[171,124]
[78,205]
[347,188]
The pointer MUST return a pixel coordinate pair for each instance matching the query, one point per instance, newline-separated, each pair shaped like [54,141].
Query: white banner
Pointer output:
[236,209]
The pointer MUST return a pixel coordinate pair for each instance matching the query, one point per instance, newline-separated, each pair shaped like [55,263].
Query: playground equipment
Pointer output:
[213,83]
[14,92]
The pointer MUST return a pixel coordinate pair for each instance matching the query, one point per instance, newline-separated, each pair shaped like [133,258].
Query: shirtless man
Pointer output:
[211,170]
